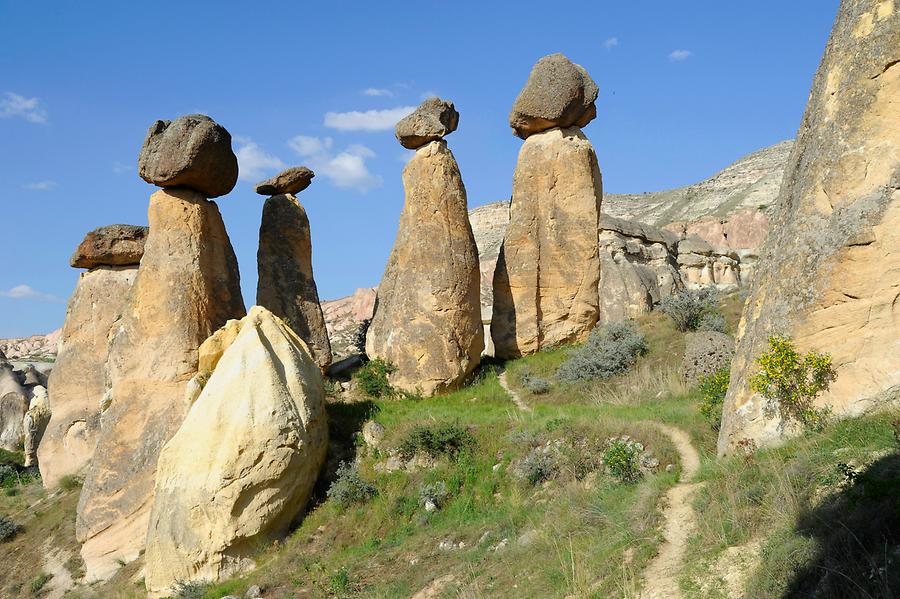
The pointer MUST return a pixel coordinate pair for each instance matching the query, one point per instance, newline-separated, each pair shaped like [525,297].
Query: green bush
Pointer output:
[38,582]
[791,381]
[609,350]
[448,439]
[688,307]
[70,482]
[372,378]
[8,529]
[534,384]
[712,396]
[435,493]
[713,322]
[537,466]
[348,487]
[622,460]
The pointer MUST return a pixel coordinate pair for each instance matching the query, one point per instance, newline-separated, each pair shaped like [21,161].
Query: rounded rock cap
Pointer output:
[113,245]
[431,121]
[292,180]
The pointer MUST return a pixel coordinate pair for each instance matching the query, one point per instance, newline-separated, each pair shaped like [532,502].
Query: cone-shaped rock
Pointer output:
[829,274]
[243,464]
[286,286]
[186,288]
[545,283]
[428,318]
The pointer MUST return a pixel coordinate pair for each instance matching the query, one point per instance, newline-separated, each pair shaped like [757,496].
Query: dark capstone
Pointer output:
[114,245]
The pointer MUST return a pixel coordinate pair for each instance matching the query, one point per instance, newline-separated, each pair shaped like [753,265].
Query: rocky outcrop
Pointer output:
[113,245]
[431,121]
[705,353]
[343,318]
[242,466]
[34,424]
[192,151]
[545,283]
[292,180]
[701,265]
[186,287]
[427,317]
[558,93]
[829,273]
[78,381]
[13,405]
[286,285]
[40,347]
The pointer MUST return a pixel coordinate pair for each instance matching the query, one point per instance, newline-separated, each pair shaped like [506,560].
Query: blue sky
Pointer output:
[685,89]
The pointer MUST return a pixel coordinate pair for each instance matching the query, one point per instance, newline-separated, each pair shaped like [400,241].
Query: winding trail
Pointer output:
[661,576]
[515,396]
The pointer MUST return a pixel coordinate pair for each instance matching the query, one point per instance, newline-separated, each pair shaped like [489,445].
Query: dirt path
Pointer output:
[515,396]
[661,576]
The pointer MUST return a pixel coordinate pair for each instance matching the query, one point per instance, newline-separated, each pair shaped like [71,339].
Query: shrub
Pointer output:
[190,590]
[340,581]
[534,384]
[448,439]
[8,476]
[537,466]
[434,493]
[38,582]
[8,529]
[70,482]
[372,378]
[348,487]
[713,322]
[688,307]
[790,382]
[712,396]
[609,350]
[622,460]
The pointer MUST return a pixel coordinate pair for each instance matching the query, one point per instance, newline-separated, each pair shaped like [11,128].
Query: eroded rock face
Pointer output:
[702,265]
[192,151]
[705,353]
[186,288]
[113,245]
[292,180]
[829,273]
[77,382]
[35,423]
[12,411]
[286,285]
[545,283]
[243,464]
[558,93]
[343,318]
[427,318]
[432,120]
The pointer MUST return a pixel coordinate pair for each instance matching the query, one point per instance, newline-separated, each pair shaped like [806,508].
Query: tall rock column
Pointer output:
[427,319]
[286,286]
[545,283]
[77,381]
[829,273]
[187,286]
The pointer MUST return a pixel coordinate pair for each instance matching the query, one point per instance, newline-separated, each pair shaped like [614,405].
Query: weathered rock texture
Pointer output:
[286,285]
[558,93]
[829,273]
[35,423]
[186,288]
[113,245]
[292,180]
[432,120]
[705,353]
[242,466]
[638,268]
[13,405]
[78,381]
[427,318]
[192,151]
[545,283]
[343,317]
[702,265]
[42,347]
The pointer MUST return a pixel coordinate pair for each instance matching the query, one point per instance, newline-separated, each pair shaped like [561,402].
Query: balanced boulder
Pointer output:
[427,320]
[431,121]
[286,285]
[829,271]
[243,464]
[558,93]
[186,287]
[192,151]
[292,180]
[113,245]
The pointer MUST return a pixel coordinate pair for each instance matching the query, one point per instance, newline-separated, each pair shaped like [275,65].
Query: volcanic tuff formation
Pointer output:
[829,274]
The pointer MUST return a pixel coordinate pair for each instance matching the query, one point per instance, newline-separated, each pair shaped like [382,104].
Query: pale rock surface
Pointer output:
[427,318]
[701,265]
[286,285]
[242,466]
[545,283]
[343,317]
[35,423]
[829,274]
[13,405]
[186,288]
[705,353]
[37,346]
[77,382]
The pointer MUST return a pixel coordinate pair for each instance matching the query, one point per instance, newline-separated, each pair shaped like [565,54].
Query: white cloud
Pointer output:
[679,55]
[346,169]
[41,185]
[611,43]
[27,292]
[428,94]
[377,92]
[121,167]
[370,120]
[253,162]
[14,105]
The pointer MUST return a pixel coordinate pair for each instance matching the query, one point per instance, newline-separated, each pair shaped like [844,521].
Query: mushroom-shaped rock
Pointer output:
[558,93]
[243,464]
[431,121]
[192,151]
[292,180]
[113,245]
